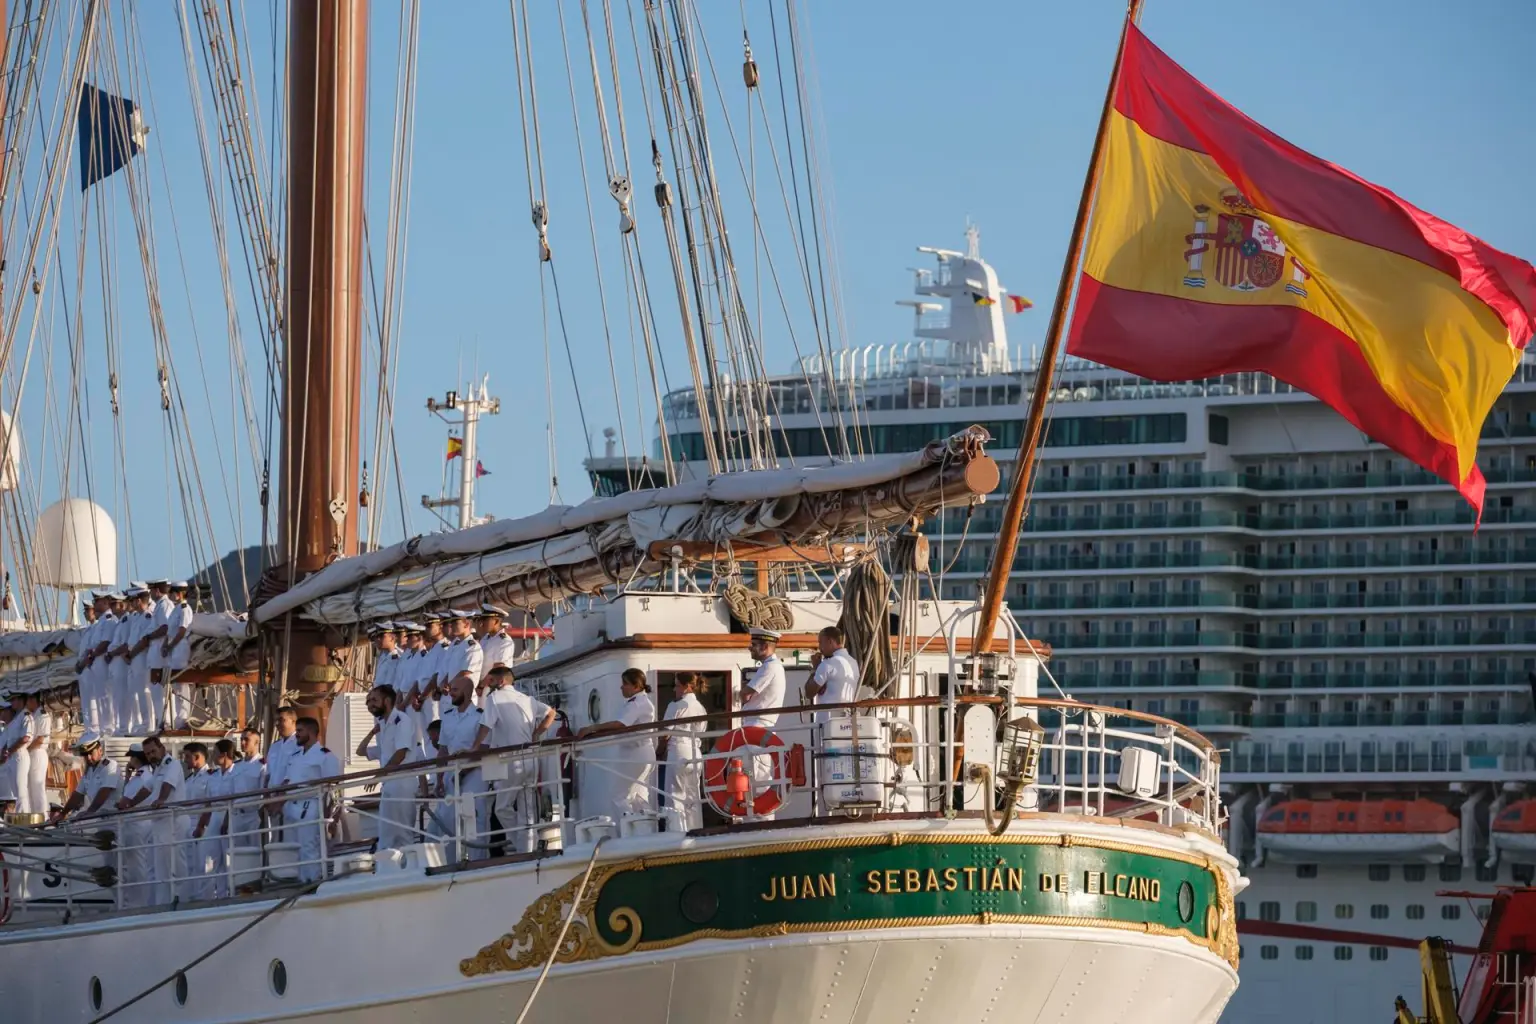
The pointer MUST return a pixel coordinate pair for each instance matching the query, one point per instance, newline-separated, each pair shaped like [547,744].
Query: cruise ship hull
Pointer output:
[408,944]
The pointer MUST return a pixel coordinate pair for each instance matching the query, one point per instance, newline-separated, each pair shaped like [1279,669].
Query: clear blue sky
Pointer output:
[930,117]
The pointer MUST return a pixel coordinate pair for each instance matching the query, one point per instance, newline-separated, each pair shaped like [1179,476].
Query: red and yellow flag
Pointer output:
[1019,303]
[1218,247]
[455,449]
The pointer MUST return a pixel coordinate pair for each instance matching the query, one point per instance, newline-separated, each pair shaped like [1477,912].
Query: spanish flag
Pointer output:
[1218,247]
[1019,303]
[455,449]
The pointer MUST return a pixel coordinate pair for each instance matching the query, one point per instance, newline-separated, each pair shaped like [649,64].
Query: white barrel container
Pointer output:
[853,767]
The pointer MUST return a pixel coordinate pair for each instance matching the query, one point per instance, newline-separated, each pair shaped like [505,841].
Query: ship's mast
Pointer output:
[322,380]
[470,406]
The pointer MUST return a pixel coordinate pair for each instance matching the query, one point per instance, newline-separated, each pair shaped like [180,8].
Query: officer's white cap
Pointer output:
[117,595]
[137,583]
[158,581]
[759,633]
[178,584]
[88,740]
[459,613]
[490,609]
[137,591]
[408,627]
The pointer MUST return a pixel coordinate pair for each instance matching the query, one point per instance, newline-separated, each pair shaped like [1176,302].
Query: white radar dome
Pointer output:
[76,546]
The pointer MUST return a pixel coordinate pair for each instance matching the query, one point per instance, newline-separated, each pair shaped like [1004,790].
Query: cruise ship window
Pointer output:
[1303,952]
[1306,910]
[1344,911]
[1414,872]
[1343,952]
[1269,952]
[1269,910]
[1415,912]
[1450,912]
[1379,872]
[1450,872]
[1378,953]
[1306,870]
[1380,911]
[1523,873]
[1242,910]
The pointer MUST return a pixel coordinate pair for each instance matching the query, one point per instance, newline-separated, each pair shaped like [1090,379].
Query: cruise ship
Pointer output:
[1232,554]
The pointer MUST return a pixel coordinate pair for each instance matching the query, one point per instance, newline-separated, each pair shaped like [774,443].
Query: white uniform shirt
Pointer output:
[460,728]
[196,788]
[21,728]
[103,629]
[246,776]
[396,732]
[386,669]
[638,710]
[141,781]
[434,661]
[221,786]
[142,624]
[464,655]
[104,774]
[126,634]
[278,755]
[511,715]
[840,675]
[309,765]
[767,687]
[168,772]
[498,649]
[180,617]
[683,740]
[42,724]
[159,615]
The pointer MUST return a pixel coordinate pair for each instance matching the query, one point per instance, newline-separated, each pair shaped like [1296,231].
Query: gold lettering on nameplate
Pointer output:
[1055,883]
[1128,887]
[892,881]
[800,887]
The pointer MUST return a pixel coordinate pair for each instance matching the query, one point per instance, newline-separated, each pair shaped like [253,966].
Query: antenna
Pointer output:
[475,402]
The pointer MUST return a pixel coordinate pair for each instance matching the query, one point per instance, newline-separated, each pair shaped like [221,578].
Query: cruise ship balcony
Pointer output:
[1338,760]
[1418,640]
[1355,719]
[1323,483]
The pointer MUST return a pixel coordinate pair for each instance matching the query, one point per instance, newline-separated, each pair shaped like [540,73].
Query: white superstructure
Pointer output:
[1232,554]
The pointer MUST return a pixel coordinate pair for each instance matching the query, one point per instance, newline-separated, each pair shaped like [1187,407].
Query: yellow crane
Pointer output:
[1439,988]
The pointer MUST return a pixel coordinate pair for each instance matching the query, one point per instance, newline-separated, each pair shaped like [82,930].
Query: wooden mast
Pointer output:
[1034,424]
[322,379]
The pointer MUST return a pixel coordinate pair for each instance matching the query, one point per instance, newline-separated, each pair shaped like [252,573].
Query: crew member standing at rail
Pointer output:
[167,782]
[762,697]
[247,775]
[303,811]
[680,752]
[633,759]
[511,718]
[212,824]
[464,656]
[176,653]
[460,730]
[396,736]
[836,676]
[148,696]
[191,867]
[495,645]
[99,783]
[94,711]
[16,757]
[135,838]
[284,746]
[160,609]
[37,765]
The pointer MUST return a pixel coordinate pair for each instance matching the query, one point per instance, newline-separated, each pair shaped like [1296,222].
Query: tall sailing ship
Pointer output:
[961,842]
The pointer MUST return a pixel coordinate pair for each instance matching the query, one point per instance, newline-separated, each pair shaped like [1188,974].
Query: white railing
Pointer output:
[539,800]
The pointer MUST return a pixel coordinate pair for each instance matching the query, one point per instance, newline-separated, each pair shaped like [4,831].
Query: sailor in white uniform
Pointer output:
[147,698]
[304,813]
[464,655]
[16,757]
[496,647]
[386,654]
[680,752]
[634,759]
[836,676]
[176,652]
[762,697]
[465,787]
[512,719]
[160,608]
[99,785]
[114,664]
[37,766]
[284,746]
[211,825]
[247,775]
[392,742]
[95,709]
[135,838]
[167,785]
[192,881]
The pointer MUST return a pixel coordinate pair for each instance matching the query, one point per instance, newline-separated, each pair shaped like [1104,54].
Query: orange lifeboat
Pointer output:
[1395,828]
[1514,828]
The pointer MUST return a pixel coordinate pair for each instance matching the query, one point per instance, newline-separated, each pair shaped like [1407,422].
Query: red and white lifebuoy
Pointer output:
[728,773]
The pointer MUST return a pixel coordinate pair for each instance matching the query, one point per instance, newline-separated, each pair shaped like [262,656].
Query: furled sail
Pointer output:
[567,550]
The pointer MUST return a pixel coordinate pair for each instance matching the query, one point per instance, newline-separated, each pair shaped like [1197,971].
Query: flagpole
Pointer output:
[1024,464]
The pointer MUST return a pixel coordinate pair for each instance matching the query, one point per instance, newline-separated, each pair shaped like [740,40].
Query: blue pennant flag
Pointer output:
[112,131]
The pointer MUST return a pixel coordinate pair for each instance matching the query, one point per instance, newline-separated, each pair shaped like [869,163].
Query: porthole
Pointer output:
[1186,902]
[95,993]
[277,977]
[698,902]
[594,707]
[181,988]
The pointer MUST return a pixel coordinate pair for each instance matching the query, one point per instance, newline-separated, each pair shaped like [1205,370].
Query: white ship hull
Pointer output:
[401,945]
[1425,846]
